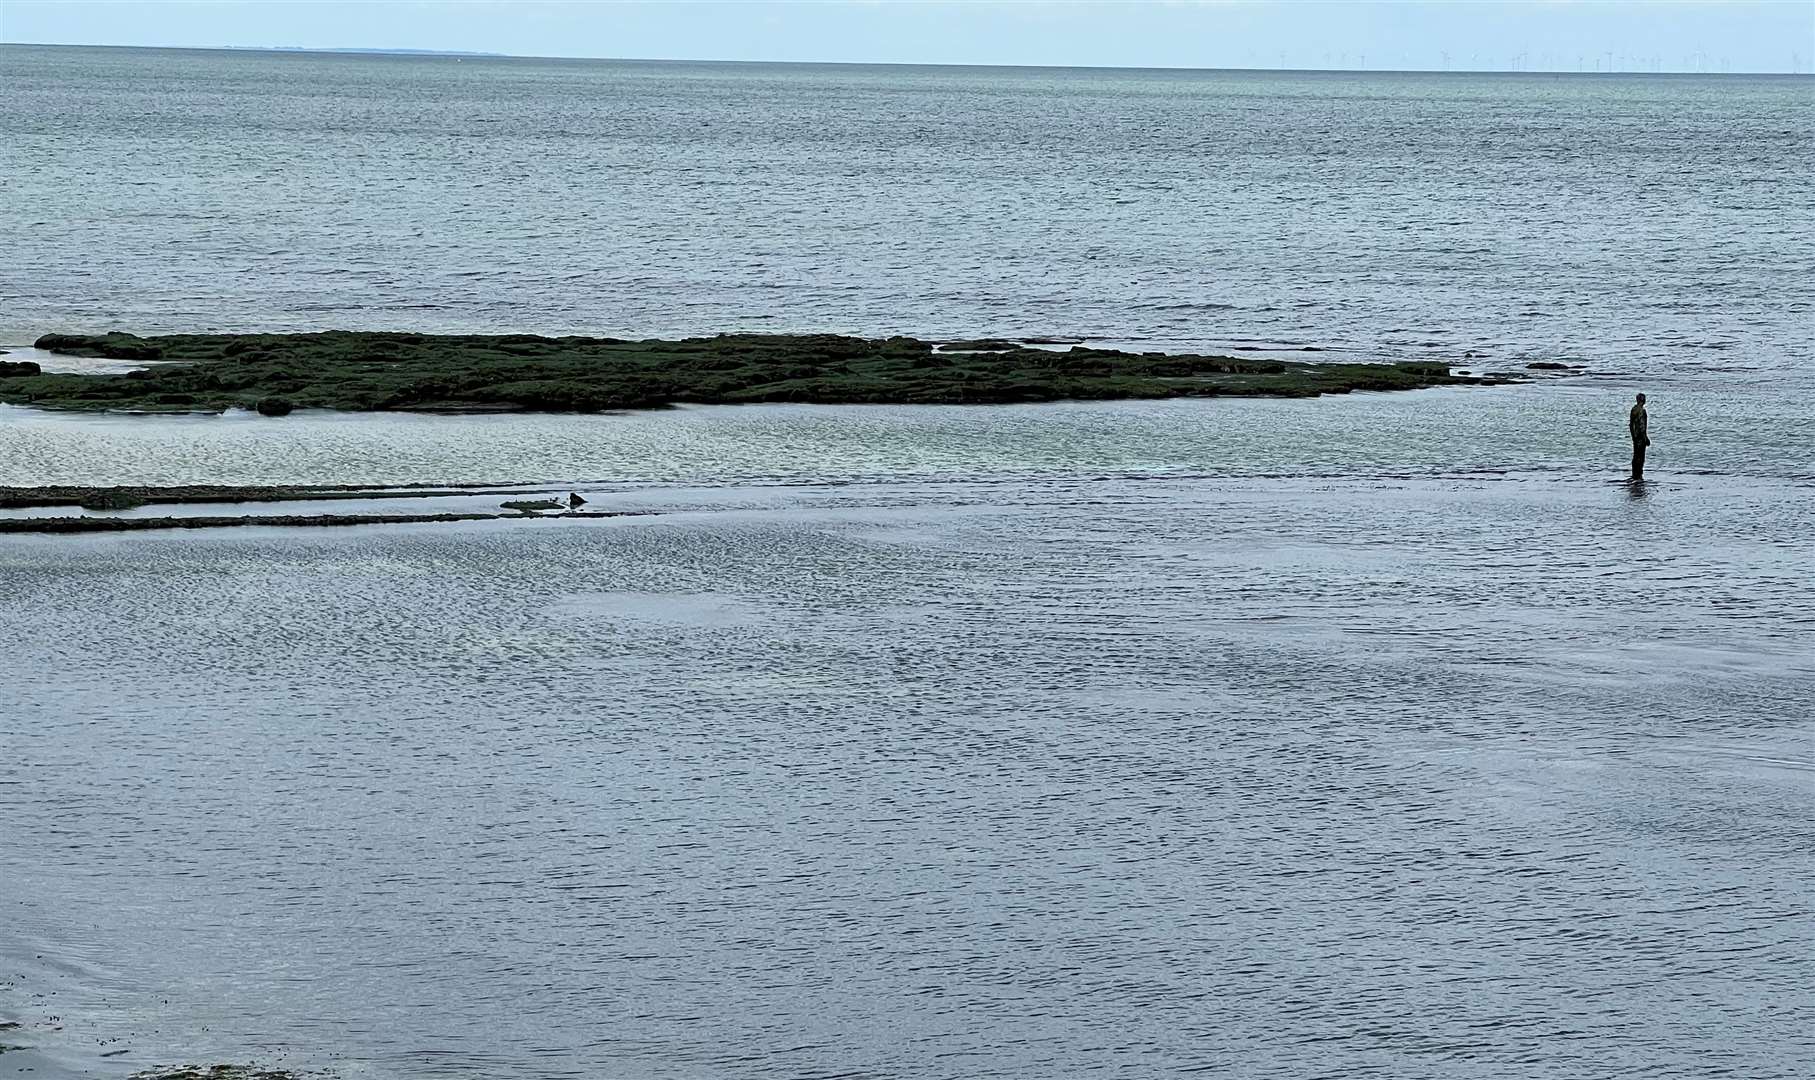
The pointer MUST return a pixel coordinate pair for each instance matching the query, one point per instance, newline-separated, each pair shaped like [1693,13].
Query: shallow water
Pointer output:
[1034,770]
[1378,735]
[1574,427]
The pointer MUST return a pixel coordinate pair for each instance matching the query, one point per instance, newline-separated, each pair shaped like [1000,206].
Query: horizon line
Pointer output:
[462,54]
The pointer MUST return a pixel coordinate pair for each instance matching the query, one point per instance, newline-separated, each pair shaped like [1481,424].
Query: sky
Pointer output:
[1534,35]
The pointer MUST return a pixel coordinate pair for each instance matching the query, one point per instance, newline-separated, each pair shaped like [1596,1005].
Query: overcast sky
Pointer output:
[1537,35]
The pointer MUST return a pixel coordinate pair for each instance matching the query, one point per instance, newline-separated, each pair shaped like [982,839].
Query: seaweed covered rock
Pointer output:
[16,369]
[111,499]
[389,371]
[980,345]
[110,346]
[532,506]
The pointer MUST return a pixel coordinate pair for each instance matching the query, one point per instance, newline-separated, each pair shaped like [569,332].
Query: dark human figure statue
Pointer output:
[1640,423]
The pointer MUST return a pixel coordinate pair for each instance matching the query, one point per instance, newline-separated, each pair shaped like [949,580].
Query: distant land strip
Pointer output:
[64,525]
[128,496]
[276,374]
[100,501]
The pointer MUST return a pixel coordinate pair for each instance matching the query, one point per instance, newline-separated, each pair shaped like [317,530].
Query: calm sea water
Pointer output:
[1630,220]
[1371,736]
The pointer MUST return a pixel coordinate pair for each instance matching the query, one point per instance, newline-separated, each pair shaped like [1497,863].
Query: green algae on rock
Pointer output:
[274,373]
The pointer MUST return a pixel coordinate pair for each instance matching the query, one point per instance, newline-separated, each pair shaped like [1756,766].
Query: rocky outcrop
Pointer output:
[113,346]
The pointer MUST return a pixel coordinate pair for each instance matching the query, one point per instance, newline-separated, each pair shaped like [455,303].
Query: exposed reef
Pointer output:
[68,525]
[215,1072]
[276,373]
[132,498]
[129,496]
[141,524]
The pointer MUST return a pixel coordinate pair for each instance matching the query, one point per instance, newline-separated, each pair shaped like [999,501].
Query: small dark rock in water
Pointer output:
[272,406]
[110,499]
[1547,365]
[113,346]
[980,345]
[14,369]
[574,500]
[531,506]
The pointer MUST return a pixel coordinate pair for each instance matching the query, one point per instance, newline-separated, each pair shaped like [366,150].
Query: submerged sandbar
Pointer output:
[365,372]
[112,509]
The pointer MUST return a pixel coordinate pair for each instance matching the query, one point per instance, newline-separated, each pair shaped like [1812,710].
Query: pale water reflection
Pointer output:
[1572,428]
[1267,777]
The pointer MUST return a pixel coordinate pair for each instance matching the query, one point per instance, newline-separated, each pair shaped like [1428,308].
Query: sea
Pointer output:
[1378,735]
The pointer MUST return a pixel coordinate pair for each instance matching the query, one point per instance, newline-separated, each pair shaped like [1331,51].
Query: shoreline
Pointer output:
[275,374]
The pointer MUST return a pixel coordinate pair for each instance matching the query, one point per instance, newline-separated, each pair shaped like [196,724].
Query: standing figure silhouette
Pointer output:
[1640,424]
